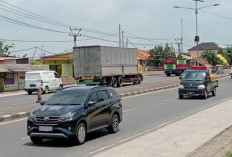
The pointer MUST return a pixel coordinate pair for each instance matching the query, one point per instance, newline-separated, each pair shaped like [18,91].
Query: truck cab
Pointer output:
[197,81]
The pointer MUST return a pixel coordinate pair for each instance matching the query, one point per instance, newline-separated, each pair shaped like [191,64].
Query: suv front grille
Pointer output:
[43,120]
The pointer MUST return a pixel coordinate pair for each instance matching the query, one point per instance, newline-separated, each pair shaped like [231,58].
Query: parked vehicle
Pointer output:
[110,66]
[73,112]
[46,80]
[197,81]
[174,66]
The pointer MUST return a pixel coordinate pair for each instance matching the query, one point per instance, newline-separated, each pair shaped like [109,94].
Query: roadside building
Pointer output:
[61,63]
[12,76]
[3,60]
[214,47]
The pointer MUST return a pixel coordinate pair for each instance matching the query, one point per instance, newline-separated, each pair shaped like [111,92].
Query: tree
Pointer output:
[4,49]
[158,54]
[210,57]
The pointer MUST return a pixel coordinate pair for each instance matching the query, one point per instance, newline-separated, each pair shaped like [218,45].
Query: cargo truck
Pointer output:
[104,65]
[174,66]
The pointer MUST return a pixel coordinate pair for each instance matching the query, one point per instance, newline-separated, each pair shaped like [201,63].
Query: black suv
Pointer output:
[75,111]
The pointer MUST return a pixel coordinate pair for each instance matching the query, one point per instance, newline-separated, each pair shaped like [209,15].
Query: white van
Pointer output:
[46,80]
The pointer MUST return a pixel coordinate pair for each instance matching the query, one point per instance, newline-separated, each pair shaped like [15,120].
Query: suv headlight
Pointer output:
[67,116]
[181,86]
[33,116]
[201,87]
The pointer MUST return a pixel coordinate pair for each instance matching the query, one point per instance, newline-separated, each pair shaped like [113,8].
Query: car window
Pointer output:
[56,75]
[68,97]
[93,97]
[102,95]
[112,93]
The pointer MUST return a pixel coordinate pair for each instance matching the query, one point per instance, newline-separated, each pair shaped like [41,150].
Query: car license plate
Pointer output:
[45,128]
[191,93]
[32,85]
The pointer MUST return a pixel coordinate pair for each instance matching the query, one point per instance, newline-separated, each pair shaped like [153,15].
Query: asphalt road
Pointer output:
[24,103]
[140,114]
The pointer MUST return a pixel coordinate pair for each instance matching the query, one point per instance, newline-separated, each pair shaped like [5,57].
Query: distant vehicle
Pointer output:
[46,80]
[110,66]
[73,112]
[197,81]
[174,66]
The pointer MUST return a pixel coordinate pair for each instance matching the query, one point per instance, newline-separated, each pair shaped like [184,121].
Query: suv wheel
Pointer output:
[29,92]
[36,140]
[46,89]
[114,124]
[80,133]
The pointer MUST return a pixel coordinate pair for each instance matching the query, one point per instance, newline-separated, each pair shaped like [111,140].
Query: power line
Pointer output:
[10,20]
[34,14]
[229,18]
[23,49]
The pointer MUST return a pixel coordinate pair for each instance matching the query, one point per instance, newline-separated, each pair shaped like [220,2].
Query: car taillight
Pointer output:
[120,99]
[41,82]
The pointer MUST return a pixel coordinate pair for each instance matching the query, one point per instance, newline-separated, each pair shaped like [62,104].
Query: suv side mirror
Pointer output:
[91,103]
[180,77]
[42,103]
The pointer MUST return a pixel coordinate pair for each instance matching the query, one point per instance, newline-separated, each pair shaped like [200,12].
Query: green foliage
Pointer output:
[158,54]
[179,55]
[211,57]
[4,49]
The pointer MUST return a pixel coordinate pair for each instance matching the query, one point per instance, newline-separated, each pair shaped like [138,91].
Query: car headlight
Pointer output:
[33,116]
[67,116]
[181,86]
[201,87]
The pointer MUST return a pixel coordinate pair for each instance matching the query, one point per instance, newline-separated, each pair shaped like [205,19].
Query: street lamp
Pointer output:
[197,38]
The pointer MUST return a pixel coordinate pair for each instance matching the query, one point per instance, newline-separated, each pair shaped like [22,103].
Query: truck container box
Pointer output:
[101,61]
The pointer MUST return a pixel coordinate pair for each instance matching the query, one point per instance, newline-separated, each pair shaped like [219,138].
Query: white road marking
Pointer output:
[128,110]
[25,138]
[170,99]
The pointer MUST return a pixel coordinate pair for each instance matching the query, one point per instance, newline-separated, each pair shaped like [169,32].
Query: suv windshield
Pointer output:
[68,97]
[193,75]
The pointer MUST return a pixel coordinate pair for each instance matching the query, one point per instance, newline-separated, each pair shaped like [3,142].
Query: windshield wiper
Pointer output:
[73,104]
[57,104]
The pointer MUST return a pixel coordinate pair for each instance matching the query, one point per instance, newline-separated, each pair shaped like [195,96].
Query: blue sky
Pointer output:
[149,19]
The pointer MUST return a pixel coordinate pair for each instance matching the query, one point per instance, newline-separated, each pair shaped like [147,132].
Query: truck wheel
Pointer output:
[29,92]
[120,81]
[214,92]
[114,82]
[205,96]
[181,97]
[168,74]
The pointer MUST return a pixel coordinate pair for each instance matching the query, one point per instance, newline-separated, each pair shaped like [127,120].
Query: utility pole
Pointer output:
[181,39]
[120,36]
[123,39]
[34,54]
[75,35]
[126,42]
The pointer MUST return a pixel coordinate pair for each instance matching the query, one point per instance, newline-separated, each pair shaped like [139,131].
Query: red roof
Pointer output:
[7,58]
[55,58]
[143,54]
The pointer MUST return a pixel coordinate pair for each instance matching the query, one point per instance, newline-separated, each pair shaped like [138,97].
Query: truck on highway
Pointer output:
[174,66]
[104,65]
[197,81]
